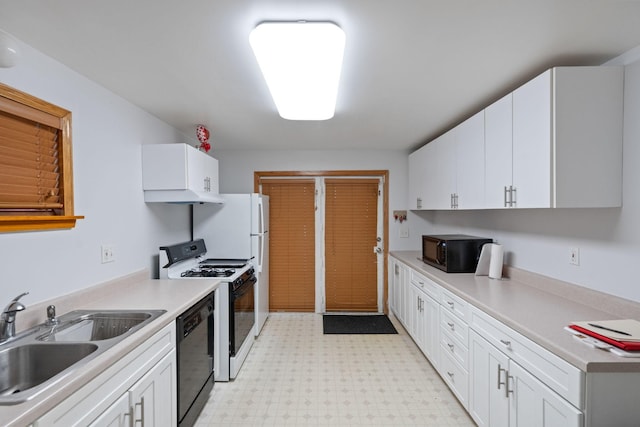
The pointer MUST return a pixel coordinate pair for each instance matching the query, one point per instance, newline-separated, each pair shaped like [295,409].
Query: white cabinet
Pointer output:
[567,139]
[488,397]
[179,173]
[424,306]
[469,158]
[139,386]
[502,393]
[148,402]
[399,273]
[419,173]
[498,128]
[555,142]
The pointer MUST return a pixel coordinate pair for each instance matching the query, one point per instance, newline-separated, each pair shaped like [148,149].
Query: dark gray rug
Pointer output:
[357,324]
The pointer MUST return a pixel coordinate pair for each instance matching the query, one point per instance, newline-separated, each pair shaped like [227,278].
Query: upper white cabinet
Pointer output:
[179,173]
[567,139]
[498,134]
[418,176]
[555,142]
[470,164]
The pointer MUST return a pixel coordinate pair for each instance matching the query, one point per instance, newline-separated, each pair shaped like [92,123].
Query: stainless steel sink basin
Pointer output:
[26,366]
[40,357]
[95,326]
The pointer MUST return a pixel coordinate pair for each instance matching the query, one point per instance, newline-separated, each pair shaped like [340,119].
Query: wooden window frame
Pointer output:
[29,107]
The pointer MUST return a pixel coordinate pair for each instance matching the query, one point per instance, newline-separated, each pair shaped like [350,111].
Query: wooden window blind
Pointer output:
[351,217]
[291,244]
[36,181]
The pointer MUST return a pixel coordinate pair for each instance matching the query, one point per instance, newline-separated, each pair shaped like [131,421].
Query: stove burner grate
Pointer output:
[208,272]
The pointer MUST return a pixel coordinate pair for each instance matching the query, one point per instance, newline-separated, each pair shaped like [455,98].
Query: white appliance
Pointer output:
[234,313]
[239,229]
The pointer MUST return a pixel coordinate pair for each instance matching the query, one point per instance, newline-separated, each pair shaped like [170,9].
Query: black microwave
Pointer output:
[453,253]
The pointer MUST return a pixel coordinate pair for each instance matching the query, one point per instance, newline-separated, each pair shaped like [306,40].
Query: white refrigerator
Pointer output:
[239,229]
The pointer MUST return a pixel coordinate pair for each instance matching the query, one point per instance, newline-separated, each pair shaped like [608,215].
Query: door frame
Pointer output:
[384,174]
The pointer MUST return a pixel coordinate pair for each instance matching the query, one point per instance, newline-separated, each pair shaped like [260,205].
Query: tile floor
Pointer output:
[296,376]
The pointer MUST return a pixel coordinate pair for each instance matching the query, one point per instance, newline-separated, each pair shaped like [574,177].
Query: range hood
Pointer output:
[179,173]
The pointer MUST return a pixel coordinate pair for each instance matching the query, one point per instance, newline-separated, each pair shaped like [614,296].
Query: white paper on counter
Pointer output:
[490,261]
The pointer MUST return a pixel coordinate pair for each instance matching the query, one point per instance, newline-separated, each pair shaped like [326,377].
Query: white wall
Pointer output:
[107,134]
[237,168]
[540,240]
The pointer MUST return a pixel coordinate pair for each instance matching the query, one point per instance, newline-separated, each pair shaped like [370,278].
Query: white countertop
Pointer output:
[539,309]
[132,292]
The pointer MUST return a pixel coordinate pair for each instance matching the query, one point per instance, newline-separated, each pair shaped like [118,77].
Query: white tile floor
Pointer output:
[296,376]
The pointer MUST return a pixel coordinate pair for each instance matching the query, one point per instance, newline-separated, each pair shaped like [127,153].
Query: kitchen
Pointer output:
[108,193]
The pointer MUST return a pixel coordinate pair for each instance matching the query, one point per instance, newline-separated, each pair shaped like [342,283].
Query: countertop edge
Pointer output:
[176,296]
[582,357]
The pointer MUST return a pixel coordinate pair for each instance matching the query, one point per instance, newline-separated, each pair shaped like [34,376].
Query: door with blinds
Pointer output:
[291,244]
[350,240]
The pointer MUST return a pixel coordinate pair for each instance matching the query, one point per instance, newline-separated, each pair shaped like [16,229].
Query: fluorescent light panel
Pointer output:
[301,62]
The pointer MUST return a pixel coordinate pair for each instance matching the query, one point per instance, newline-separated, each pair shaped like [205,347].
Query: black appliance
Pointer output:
[242,314]
[195,346]
[453,253]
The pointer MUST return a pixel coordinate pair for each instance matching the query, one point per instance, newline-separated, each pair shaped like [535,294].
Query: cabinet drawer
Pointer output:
[455,305]
[427,285]
[456,377]
[562,377]
[452,346]
[454,326]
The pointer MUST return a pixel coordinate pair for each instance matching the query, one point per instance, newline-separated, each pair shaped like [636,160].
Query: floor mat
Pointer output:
[357,324]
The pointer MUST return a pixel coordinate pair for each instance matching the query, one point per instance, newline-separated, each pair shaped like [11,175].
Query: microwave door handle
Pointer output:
[440,252]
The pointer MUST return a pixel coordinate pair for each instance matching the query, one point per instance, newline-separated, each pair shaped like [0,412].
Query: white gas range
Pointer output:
[234,299]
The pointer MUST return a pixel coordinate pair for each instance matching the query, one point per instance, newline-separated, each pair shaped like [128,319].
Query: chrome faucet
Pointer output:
[8,317]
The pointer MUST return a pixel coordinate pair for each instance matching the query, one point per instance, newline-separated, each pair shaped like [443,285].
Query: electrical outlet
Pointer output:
[574,256]
[403,231]
[108,254]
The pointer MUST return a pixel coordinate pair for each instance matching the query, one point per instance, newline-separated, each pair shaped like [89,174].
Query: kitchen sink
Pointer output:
[40,357]
[29,365]
[95,326]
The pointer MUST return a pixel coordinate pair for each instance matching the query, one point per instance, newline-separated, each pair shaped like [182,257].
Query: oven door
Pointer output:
[242,314]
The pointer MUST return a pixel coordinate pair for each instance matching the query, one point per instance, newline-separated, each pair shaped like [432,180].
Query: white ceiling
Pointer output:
[413,68]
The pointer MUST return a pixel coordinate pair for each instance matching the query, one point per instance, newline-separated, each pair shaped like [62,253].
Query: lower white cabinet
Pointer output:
[398,301]
[138,389]
[502,393]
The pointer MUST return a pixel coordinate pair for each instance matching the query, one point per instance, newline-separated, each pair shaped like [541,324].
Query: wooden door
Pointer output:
[351,221]
[291,244]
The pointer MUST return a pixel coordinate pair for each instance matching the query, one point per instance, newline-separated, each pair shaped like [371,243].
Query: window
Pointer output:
[36,177]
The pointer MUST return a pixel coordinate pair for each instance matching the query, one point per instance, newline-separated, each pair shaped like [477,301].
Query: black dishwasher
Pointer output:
[194,330]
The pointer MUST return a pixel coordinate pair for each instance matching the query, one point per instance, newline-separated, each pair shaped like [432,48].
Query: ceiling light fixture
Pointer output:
[301,62]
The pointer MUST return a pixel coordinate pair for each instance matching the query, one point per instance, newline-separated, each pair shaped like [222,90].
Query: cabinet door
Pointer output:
[532,148]
[117,415]
[432,330]
[534,404]
[417,325]
[444,163]
[418,173]
[470,163]
[153,397]
[488,401]
[498,122]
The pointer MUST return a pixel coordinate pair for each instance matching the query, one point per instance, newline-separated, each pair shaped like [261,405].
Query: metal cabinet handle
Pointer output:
[418,203]
[451,346]
[141,420]
[450,304]
[450,374]
[506,343]
[506,388]
[500,370]
[451,325]
[505,196]
[513,197]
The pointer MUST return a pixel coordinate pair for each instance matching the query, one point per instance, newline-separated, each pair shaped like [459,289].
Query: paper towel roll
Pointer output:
[495,263]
